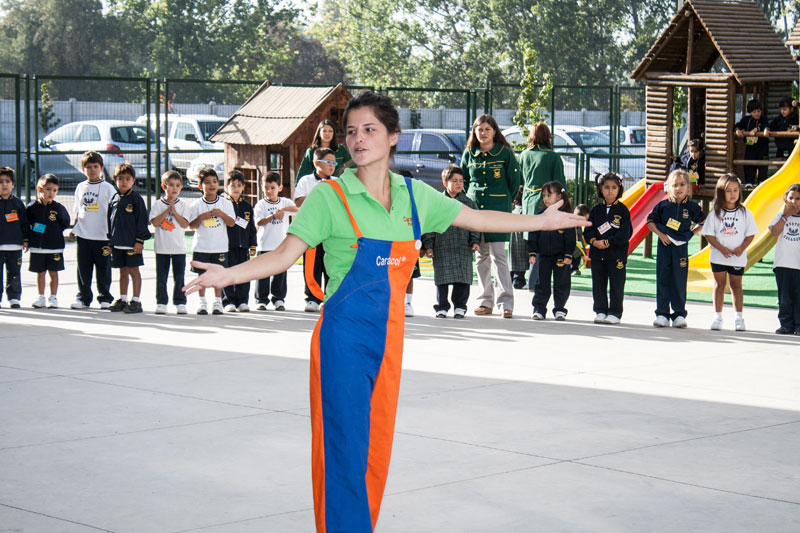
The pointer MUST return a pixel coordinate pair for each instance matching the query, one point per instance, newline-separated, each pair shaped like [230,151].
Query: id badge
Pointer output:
[38,227]
[242,223]
[673,224]
[210,222]
[12,217]
[167,225]
[604,228]
[93,207]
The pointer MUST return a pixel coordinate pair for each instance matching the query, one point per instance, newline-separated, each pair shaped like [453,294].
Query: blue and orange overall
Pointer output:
[356,353]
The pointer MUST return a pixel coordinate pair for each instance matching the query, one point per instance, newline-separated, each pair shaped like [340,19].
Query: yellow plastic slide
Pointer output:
[634,193]
[764,202]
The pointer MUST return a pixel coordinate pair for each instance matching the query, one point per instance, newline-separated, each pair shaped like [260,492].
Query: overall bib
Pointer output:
[356,351]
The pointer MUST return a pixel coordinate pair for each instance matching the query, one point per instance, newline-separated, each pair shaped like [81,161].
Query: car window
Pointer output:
[589,138]
[130,134]
[458,139]
[639,136]
[209,127]
[558,140]
[89,133]
[432,143]
[404,142]
[64,135]
[515,138]
[183,129]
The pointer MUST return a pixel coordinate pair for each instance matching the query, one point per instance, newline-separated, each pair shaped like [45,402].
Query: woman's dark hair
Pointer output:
[540,135]
[753,104]
[383,108]
[472,141]
[317,142]
[609,176]
[719,192]
[556,187]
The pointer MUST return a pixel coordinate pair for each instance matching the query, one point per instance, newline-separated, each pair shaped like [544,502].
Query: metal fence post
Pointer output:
[18,137]
[488,105]
[28,130]
[35,126]
[158,126]
[149,179]
[552,107]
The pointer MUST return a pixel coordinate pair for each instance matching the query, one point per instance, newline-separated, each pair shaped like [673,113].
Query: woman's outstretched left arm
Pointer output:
[499,222]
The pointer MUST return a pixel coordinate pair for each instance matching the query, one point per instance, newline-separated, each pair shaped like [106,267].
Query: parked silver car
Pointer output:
[446,147]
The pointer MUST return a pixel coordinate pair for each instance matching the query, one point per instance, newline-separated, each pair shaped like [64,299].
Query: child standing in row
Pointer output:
[92,198]
[168,215]
[47,220]
[671,220]
[581,246]
[552,251]
[128,223]
[756,148]
[729,230]
[608,237]
[786,227]
[209,216]
[273,223]
[241,242]
[452,252]
[13,237]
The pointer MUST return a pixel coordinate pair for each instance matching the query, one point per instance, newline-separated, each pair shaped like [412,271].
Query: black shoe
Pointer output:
[783,330]
[119,305]
[133,307]
[518,283]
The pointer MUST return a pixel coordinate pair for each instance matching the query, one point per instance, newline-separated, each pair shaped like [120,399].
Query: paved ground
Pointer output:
[139,423]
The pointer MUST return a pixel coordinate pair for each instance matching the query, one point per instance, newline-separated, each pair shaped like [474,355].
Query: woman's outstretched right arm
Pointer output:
[265,265]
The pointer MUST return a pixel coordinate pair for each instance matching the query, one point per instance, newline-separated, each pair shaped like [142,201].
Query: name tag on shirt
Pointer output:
[604,228]
[38,227]
[167,225]
[93,207]
[210,222]
[12,217]
[673,224]
[242,223]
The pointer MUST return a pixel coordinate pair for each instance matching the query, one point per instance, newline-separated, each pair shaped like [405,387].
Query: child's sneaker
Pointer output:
[117,306]
[202,309]
[612,319]
[279,305]
[409,309]
[738,325]
[52,302]
[312,307]
[661,321]
[561,316]
[216,309]
[78,304]
[441,314]
[679,322]
[40,302]
[133,307]
[261,306]
[181,309]
[230,308]
[537,316]
[161,309]
[104,305]
[14,304]
[459,313]
[243,308]
[600,318]
[716,324]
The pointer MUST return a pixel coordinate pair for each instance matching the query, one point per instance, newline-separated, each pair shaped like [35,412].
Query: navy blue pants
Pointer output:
[94,257]
[672,269]
[608,283]
[12,260]
[237,294]
[552,266]
[275,285]
[162,273]
[788,280]
[460,296]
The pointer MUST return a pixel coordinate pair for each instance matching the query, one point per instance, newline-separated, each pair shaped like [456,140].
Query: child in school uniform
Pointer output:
[756,148]
[92,199]
[671,220]
[210,216]
[241,242]
[273,223]
[609,236]
[128,231]
[786,120]
[729,229]
[552,251]
[581,246]
[786,227]
[693,162]
[451,252]
[13,237]
[47,220]
[169,216]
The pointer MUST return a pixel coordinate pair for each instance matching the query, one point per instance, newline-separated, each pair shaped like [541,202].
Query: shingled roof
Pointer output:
[739,32]
[273,114]
[794,37]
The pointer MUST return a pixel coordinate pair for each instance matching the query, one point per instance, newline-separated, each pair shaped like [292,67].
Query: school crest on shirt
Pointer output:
[247,216]
[792,232]
[616,221]
[129,208]
[685,213]
[52,216]
[496,172]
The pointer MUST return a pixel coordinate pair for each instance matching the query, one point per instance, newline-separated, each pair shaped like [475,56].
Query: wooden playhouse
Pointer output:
[724,53]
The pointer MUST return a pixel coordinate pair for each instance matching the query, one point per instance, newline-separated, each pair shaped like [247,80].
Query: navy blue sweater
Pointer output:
[617,233]
[684,214]
[55,219]
[557,242]
[239,237]
[127,220]
[13,221]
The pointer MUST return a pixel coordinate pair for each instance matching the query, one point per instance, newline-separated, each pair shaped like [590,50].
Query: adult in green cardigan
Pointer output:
[325,137]
[492,178]
[539,164]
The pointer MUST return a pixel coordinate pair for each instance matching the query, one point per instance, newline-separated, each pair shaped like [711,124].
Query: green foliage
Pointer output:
[47,120]
[591,192]
[533,97]
[680,105]
[416,118]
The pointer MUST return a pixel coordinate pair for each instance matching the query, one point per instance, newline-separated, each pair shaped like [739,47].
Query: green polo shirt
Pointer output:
[323,219]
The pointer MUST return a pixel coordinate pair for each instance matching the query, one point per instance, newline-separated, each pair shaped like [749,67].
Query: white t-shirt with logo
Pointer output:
[731,230]
[271,234]
[91,209]
[169,236]
[211,236]
[787,251]
[306,185]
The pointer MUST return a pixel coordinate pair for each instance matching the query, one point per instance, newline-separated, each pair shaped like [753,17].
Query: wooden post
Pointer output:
[690,45]
[648,246]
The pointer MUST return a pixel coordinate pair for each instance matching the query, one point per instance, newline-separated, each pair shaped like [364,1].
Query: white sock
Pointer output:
[203,300]
[41,295]
[123,297]
[718,315]
[135,298]
[409,296]
[218,299]
[739,314]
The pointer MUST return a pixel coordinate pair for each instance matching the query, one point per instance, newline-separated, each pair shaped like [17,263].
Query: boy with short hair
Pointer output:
[47,220]
[324,166]
[168,215]
[272,222]
[241,242]
[92,199]
[756,148]
[13,237]
[128,223]
[210,216]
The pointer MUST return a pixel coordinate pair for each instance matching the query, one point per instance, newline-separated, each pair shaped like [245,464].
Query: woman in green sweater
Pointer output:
[325,137]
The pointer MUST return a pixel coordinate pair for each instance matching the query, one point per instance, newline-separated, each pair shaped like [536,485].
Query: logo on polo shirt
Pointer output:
[389,261]
[408,220]
[52,216]
[129,208]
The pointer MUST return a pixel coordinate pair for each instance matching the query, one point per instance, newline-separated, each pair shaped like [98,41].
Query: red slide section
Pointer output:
[639,211]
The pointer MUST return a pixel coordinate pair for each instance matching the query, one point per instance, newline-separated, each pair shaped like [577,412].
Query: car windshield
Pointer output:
[208,127]
[459,139]
[131,134]
[592,142]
